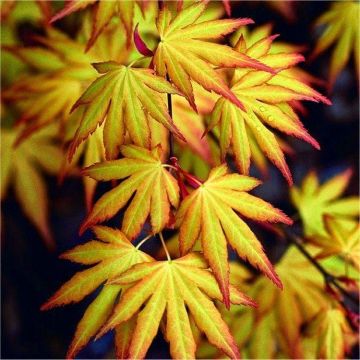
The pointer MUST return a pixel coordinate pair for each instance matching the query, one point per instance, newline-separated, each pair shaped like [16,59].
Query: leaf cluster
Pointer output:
[174,133]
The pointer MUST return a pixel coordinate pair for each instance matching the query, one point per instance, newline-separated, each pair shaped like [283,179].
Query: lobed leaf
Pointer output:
[210,213]
[156,190]
[112,255]
[125,98]
[193,57]
[167,289]
[265,98]
[314,201]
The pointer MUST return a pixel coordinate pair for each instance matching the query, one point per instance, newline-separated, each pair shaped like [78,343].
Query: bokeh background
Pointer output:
[30,273]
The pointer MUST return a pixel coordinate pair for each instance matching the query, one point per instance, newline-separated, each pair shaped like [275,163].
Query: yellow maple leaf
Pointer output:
[210,213]
[21,167]
[184,54]
[171,287]
[266,98]
[105,101]
[341,28]
[275,328]
[110,255]
[343,239]
[62,72]
[328,335]
[154,187]
[313,201]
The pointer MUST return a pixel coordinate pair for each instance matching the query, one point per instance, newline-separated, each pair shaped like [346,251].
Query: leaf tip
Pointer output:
[288,176]
[273,37]
[102,331]
[226,301]
[47,305]
[274,277]
[286,220]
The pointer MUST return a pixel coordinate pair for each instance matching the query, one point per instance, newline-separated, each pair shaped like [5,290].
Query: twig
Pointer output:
[328,278]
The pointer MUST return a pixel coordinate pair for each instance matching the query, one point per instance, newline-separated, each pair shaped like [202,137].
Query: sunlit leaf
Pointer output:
[326,335]
[143,173]
[275,328]
[211,214]
[341,23]
[110,255]
[124,98]
[343,239]
[103,12]
[61,72]
[21,168]
[183,52]
[313,201]
[174,289]
[266,100]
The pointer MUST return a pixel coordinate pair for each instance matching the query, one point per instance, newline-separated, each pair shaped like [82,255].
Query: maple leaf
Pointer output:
[103,12]
[34,95]
[257,157]
[277,47]
[110,255]
[183,53]
[154,187]
[62,71]
[313,201]
[327,335]
[22,167]
[341,27]
[93,151]
[210,213]
[266,100]
[343,239]
[105,98]
[273,330]
[169,288]
[200,153]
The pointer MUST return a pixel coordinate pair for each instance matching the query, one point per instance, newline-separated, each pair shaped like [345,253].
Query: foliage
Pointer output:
[266,100]
[173,134]
[209,213]
[314,201]
[22,168]
[156,190]
[341,28]
[111,255]
[285,321]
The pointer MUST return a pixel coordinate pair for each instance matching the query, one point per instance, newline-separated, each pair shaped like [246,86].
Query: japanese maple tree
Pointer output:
[170,103]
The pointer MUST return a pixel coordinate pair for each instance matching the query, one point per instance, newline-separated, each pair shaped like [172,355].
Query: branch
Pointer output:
[328,278]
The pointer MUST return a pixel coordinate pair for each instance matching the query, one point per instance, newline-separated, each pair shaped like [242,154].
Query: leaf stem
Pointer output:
[143,241]
[164,246]
[170,166]
[136,60]
[328,278]
[170,110]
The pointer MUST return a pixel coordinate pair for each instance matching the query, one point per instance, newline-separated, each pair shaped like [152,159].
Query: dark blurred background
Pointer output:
[30,274]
